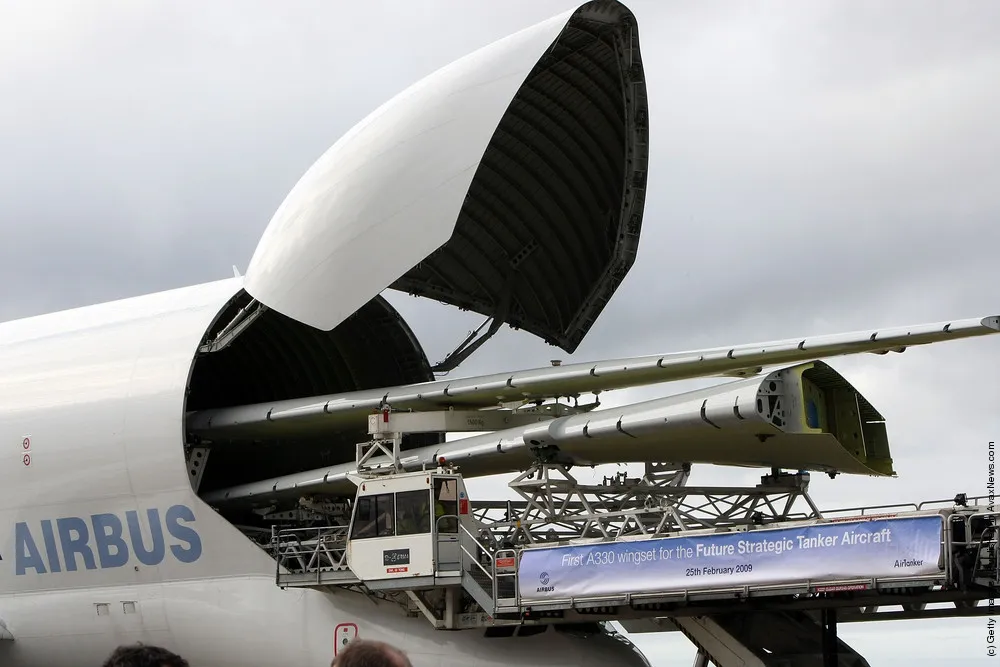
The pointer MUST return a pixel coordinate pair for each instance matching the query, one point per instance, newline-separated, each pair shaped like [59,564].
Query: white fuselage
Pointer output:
[105,541]
[247,621]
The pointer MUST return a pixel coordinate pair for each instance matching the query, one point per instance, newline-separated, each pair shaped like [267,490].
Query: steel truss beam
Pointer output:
[555,507]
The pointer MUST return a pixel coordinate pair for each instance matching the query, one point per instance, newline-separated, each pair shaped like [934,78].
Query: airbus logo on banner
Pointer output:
[544,581]
[103,541]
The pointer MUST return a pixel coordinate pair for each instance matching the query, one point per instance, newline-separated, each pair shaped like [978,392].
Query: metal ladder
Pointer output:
[986,571]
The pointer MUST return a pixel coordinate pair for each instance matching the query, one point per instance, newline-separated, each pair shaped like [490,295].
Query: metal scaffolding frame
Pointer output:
[555,507]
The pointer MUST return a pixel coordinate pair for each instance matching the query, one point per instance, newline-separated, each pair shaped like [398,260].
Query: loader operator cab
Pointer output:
[406,526]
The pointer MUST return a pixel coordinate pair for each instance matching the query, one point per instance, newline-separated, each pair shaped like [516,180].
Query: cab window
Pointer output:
[413,512]
[374,517]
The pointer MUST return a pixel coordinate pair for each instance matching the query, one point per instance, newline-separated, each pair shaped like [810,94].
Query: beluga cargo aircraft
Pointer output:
[153,443]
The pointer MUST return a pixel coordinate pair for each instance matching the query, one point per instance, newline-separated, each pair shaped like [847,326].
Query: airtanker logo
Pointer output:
[105,541]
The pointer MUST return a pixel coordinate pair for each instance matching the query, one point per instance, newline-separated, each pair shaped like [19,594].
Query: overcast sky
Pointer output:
[815,168]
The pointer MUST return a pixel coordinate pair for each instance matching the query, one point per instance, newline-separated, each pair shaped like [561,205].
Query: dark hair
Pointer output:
[144,656]
[366,653]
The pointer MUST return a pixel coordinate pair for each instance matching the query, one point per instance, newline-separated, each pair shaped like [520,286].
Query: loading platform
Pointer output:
[750,575]
[504,564]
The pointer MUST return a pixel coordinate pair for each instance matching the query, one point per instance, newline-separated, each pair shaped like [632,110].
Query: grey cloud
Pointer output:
[172,132]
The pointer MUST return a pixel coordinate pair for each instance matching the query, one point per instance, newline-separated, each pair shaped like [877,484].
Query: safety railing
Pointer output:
[944,503]
[986,567]
[498,578]
[302,551]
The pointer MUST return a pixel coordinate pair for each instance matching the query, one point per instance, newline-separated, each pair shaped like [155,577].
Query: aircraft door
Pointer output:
[447,493]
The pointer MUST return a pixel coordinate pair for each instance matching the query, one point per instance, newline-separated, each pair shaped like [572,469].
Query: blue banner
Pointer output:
[885,548]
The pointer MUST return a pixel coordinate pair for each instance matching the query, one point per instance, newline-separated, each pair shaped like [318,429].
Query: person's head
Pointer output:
[366,653]
[144,656]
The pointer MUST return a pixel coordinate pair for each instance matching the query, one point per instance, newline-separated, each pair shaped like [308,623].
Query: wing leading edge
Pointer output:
[316,414]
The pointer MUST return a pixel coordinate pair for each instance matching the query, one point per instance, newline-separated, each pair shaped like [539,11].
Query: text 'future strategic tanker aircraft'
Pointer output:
[146,437]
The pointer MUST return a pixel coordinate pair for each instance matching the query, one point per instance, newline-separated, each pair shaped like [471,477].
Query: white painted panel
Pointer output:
[389,192]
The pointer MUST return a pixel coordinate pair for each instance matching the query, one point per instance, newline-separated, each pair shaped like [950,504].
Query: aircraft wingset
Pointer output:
[575,379]
[655,430]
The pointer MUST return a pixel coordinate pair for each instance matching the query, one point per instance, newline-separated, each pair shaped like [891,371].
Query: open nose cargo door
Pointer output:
[510,183]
